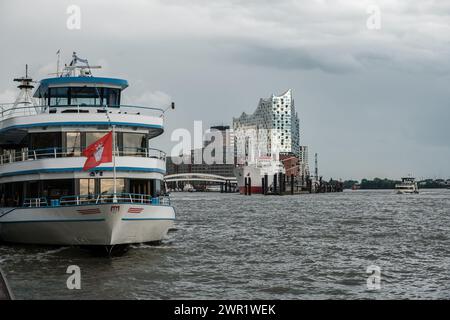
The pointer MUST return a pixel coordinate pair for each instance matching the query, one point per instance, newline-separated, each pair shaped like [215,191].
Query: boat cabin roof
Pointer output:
[79,81]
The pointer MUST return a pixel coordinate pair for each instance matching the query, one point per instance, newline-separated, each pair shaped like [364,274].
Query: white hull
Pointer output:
[102,224]
[407,191]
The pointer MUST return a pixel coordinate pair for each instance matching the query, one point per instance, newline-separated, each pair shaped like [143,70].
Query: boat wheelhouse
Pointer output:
[47,198]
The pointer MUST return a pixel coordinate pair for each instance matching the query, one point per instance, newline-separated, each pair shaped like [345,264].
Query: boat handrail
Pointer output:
[126,197]
[35,202]
[57,152]
[10,110]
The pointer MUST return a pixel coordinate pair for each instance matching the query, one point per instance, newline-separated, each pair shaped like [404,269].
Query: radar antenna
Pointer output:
[74,69]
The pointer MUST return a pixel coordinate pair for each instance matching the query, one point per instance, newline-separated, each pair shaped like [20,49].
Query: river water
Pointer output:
[229,246]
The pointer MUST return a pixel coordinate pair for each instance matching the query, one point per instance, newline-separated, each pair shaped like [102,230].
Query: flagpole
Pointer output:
[114,163]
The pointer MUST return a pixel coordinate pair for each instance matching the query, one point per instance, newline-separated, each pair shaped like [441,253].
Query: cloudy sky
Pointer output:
[371,102]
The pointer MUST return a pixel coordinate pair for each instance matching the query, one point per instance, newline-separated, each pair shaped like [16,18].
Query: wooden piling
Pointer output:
[275,183]
[266,184]
[249,186]
[280,178]
[263,185]
[292,184]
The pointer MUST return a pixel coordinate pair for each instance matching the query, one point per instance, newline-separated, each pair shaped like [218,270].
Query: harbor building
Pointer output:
[304,162]
[222,166]
[272,129]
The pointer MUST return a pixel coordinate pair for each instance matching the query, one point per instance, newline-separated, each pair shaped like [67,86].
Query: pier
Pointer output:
[5,292]
[285,185]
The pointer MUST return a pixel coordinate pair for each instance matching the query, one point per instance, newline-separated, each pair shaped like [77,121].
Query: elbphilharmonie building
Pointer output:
[273,128]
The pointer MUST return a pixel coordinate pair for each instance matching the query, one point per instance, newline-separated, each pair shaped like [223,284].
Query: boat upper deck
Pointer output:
[75,98]
[15,122]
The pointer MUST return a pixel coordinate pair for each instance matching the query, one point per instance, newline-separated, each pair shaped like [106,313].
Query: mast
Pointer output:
[58,53]
[24,98]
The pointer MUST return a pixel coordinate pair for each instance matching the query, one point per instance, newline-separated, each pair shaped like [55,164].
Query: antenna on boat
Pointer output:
[71,69]
[58,53]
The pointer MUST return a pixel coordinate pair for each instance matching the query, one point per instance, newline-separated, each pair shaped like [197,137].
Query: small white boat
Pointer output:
[189,188]
[212,188]
[407,186]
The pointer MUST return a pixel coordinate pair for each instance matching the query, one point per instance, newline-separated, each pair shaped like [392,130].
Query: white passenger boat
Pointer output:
[408,185]
[47,197]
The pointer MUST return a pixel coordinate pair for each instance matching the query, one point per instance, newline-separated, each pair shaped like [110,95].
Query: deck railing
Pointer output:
[35,202]
[10,111]
[49,153]
[80,200]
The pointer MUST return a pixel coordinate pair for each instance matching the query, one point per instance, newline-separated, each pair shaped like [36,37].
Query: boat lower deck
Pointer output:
[104,224]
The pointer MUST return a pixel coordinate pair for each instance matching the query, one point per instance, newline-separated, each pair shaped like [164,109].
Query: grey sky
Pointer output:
[371,102]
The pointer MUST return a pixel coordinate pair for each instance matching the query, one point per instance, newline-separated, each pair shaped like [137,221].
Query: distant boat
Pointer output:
[213,188]
[189,188]
[356,186]
[407,186]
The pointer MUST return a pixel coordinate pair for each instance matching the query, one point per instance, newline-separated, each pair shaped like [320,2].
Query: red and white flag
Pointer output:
[99,152]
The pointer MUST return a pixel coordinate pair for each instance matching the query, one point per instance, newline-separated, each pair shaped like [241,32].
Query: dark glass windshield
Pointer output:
[83,96]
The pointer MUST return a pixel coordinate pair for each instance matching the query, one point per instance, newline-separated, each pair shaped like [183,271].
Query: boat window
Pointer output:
[139,186]
[59,96]
[134,144]
[83,96]
[107,186]
[73,143]
[57,188]
[111,96]
[87,187]
[91,137]
[45,141]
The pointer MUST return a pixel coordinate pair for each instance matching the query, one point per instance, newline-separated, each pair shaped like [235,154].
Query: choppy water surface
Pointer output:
[228,246]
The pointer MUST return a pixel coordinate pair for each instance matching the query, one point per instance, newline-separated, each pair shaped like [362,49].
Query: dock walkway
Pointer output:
[5,292]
